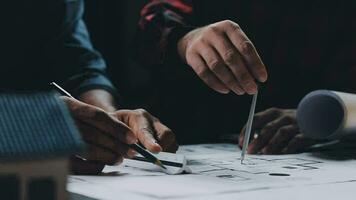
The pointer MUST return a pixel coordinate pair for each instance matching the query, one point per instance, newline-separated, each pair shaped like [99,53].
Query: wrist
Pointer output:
[181,47]
[99,98]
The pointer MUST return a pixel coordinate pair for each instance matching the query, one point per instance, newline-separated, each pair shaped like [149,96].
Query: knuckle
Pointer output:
[141,111]
[231,24]
[229,57]
[214,64]
[244,77]
[269,126]
[212,30]
[202,40]
[189,54]
[226,22]
[274,110]
[99,114]
[246,47]
[148,132]
[284,130]
[257,117]
[203,72]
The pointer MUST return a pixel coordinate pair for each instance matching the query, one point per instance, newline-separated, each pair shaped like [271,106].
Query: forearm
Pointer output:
[100,98]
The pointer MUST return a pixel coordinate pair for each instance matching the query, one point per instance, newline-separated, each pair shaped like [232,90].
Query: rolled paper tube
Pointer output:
[325,114]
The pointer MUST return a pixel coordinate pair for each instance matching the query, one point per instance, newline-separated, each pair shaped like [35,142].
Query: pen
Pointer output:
[248,127]
[136,147]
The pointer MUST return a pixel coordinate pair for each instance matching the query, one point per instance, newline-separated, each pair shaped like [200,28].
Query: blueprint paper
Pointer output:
[216,170]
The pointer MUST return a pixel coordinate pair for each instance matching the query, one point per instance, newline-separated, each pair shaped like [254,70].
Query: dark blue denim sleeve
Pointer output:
[81,66]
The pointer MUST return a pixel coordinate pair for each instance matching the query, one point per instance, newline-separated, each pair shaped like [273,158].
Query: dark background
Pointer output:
[112,25]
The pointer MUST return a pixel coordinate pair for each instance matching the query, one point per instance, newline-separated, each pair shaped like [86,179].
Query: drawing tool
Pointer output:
[147,155]
[175,163]
[248,127]
[136,147]
[167,163]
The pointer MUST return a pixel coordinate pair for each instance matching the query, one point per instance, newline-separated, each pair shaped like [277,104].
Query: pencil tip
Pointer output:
[159,163]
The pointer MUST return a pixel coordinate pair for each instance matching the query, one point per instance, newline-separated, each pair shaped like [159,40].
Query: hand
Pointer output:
[278,133]
[106,137]
[154,135]
[223,57]
[150,132]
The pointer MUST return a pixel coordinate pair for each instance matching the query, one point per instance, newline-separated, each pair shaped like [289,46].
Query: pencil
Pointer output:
[147,155]
[135,147]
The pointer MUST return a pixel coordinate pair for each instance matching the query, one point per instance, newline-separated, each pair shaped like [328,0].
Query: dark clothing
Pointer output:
[46,40]
[306,45]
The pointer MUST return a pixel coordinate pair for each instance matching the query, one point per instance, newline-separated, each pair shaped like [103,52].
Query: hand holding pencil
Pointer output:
[113,136]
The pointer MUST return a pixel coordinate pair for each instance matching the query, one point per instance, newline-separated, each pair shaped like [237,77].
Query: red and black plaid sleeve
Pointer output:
[161,25]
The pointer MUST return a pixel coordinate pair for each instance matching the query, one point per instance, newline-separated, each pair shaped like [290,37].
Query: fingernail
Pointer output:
[263,78]
[253,87]
[159,149]
[224,91]
[252,90]
[238,91]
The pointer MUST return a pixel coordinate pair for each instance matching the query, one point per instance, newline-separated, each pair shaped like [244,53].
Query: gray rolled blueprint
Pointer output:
[325,114]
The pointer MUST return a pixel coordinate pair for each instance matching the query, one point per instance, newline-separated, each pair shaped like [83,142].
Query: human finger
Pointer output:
[281,139]
[259,120]
[247,50]
[266,133]
[166,137]
[298,144]
[205,74]
[233,60]
[141,123]
[218,67]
